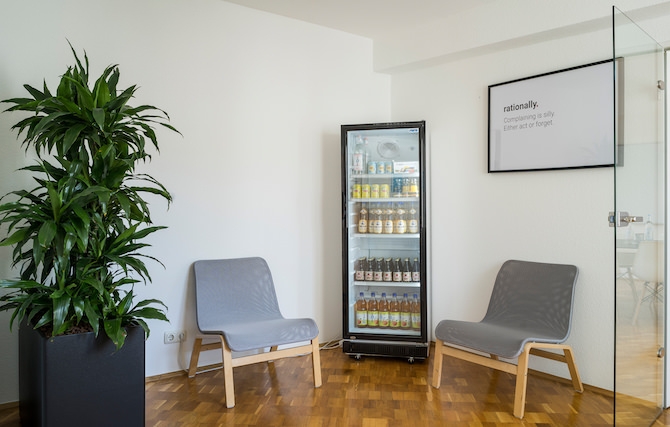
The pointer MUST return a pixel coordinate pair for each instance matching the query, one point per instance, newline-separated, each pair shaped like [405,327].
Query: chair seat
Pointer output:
[253,335]
[486,337]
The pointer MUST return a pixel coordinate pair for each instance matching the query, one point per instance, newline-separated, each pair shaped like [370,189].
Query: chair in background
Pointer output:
[236,302]
[648,268]
[530,312]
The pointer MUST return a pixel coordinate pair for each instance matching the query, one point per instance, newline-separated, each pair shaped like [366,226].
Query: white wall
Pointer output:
[259,100]
[479,220]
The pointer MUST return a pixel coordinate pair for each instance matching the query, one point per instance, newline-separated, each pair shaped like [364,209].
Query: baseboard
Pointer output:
[9,405]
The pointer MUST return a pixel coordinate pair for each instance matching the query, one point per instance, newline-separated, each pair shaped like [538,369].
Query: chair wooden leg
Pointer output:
[437,363]
[316,362]
[228,373]
[572,367]
[195,356]
[521,382]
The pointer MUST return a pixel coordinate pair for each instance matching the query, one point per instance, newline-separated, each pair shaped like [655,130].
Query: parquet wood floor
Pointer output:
[371,392]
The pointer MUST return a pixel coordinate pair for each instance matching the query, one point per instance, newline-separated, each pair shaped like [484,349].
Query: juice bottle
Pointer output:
[416,271]
[406,271]
[413,220]
[405,313]
[387,276]
[415,308]
[359,269]
[394,312]
[370,270]
[384,315]
[397,272]
[388,219]
[373,312]
[400,224]
[363,219]
[377,273]
[361,311]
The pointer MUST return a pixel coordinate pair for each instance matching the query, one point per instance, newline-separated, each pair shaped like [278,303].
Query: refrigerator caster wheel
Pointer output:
[410,360]
[357,357]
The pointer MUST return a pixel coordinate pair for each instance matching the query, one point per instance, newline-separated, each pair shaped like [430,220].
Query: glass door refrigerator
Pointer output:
[384,240]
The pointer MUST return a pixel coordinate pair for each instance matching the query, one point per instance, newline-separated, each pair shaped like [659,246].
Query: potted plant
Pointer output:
[77,238]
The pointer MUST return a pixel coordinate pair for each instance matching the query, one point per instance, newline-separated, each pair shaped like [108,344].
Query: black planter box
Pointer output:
[80,380]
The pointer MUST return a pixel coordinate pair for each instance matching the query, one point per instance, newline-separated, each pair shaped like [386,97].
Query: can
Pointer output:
[381,167]
[356,191]
[389,167]
[384,191]
[372,167]
[365,191]
[374,191]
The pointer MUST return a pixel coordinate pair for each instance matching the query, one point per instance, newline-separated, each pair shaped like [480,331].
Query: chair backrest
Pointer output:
[648,262]
[232,291]
[535,296]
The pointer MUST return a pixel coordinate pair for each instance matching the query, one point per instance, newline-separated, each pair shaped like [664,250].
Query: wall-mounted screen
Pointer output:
[558,120]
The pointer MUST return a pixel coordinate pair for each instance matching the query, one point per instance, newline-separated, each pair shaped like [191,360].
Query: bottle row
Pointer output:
[397,187]
[387,270]
[386,218]
[388,313]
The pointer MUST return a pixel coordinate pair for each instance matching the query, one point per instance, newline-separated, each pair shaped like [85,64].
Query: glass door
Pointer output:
[639,181]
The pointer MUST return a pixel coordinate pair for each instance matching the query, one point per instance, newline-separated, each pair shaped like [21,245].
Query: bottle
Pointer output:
[377,273]
[388,219]
[405,313]
[360,158]
[648,229]
[359,269]
[397,272]
[361,311]
[378,227]
[384,315]
[405,187]
[363,219]
[412,220]
[416,271]
[387,276]
[400,226]
[394,312]
[413,188]
[373,311]
[406,271]
[369,270]
[415,313]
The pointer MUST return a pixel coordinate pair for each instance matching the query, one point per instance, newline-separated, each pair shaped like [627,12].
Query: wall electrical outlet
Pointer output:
[174,337]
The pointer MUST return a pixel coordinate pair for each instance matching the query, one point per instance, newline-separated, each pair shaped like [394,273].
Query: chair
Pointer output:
[648,268]
[529,312]
[236,302]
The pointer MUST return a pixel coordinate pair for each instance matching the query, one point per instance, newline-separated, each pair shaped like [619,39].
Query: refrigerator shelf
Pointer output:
[387,236]
[386,331]
[389,284]
[384,200]
[385,175]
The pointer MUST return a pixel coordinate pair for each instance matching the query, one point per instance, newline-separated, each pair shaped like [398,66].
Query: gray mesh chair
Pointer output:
[237,303]
[530,312]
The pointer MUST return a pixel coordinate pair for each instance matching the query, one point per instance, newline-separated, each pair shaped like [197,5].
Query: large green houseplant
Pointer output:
[77,236]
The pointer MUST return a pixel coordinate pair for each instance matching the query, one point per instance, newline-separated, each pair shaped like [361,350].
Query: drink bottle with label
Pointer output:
[370,270]
[405,313]
[397,271]
[400,225]
[415,310]
[359,160]
[394,312]
[361,311]
[388,272]
[359,274]
[389,219]
[384,315]
[416,271]
[413,220]
[377,274]
[373,311]
[406,271]
[378,224]
[363,219]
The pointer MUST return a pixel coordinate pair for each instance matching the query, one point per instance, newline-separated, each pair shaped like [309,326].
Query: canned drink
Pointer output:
[372,167]
[374,191]
[389,167]
[381,167]
[356,192]
[365,191]
[384,191]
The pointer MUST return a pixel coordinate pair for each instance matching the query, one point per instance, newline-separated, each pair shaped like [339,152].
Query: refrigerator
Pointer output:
[384,255]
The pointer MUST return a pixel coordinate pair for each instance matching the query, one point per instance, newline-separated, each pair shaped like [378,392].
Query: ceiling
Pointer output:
[374,19]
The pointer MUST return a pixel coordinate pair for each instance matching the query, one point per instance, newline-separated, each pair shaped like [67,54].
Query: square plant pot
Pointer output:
[81,380]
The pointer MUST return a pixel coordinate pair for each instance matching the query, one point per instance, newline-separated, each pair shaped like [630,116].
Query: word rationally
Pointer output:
[529,105]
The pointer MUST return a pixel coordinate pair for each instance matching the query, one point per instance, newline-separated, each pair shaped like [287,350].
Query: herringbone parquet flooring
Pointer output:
[370,392]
